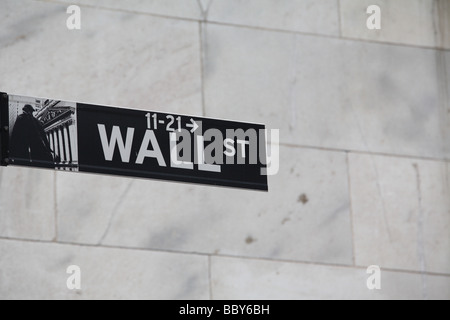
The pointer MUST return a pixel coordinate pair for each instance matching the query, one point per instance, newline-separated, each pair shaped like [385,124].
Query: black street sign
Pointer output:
[81,137]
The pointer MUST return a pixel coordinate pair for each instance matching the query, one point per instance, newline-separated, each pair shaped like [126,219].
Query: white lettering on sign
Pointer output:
[175,162]
[242,143]
[211,150]
[229,146]
[201,157]
[116,139]
[154,153]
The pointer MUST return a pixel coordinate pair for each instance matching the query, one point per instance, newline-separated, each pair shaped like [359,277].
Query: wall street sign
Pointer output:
[81,137]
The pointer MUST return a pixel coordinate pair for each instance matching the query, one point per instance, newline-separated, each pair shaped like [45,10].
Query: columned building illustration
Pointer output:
[59,121]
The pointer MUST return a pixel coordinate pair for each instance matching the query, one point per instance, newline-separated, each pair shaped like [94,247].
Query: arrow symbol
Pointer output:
[192,125]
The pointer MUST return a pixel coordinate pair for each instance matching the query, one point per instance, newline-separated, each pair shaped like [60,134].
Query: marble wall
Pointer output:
[364,119]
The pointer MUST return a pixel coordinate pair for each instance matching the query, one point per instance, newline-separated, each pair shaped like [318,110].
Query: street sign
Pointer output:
[80,137]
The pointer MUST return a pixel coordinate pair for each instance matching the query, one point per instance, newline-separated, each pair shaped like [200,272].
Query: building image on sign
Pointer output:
[43,130]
